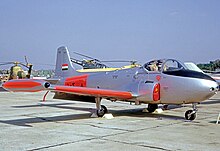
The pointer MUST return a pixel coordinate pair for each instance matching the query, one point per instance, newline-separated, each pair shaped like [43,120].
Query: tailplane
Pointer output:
[64,66]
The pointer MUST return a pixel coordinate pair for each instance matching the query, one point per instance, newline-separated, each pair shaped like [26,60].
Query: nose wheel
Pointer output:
[191,114]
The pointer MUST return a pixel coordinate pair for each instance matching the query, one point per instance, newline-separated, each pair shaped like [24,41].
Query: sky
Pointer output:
[142,30]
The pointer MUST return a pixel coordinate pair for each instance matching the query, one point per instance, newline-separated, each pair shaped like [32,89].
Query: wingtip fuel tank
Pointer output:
[25,85]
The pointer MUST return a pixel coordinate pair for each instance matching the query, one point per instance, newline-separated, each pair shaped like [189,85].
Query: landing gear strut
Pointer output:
[100,109]
[191,114]
[152,107]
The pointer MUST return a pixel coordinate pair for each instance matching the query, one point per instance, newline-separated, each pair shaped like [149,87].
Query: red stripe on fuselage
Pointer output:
[79,81]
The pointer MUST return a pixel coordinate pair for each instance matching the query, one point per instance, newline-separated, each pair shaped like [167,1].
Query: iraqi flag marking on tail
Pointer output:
[64,66]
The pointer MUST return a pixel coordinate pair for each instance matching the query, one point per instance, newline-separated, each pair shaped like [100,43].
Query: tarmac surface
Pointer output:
[26,123]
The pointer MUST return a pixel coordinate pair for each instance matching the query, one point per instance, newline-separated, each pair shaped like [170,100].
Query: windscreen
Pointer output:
[172,65]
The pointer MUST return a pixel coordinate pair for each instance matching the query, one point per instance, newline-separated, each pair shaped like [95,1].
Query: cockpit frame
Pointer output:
[164,65]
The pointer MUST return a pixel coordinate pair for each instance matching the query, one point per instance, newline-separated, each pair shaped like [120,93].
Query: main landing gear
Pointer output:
[191,114]
[152,107]
[101,110]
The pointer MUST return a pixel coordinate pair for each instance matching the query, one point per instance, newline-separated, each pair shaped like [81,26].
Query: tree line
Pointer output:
[212,65]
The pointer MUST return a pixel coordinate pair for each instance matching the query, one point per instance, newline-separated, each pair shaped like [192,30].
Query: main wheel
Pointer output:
[189,115]
[152,107]
[102,111]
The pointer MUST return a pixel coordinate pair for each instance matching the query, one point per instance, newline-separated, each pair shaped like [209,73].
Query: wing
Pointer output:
[30,85]
[93,92]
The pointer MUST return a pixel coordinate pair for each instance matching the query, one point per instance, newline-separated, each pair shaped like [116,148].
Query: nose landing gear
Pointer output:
[191,114]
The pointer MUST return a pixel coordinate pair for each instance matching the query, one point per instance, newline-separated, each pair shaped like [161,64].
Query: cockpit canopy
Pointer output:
[174,68]
[164,65]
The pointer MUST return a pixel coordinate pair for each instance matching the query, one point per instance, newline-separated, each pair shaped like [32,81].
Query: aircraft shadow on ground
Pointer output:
[28,121]
[2,89]
[214,122]
[212,101]
[116,113]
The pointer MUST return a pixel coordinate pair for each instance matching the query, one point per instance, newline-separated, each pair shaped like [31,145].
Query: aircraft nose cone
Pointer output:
[208,89]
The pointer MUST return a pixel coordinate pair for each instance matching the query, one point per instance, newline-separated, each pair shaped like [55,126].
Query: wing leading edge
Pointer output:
[93,92]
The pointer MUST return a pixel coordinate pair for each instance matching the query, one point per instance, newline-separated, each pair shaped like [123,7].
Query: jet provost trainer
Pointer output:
[163,81]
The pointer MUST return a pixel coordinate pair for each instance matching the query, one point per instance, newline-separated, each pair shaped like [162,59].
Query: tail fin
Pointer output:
[64,66]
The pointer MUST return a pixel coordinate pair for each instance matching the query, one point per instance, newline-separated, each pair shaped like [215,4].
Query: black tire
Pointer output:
[152,107]
[189,115]
[102,111]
